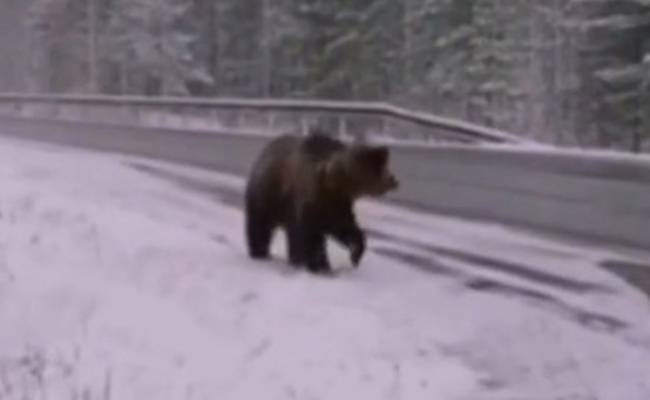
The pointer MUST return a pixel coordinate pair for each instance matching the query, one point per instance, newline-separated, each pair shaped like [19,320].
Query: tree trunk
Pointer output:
[93,83]
[267,42]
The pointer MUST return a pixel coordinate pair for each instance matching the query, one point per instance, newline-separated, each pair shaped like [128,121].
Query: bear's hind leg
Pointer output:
[259,231]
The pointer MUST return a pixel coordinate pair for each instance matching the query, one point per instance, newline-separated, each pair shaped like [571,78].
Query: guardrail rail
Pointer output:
[440,166]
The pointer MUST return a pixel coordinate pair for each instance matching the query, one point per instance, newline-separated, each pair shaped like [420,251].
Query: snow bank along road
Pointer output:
[125,278]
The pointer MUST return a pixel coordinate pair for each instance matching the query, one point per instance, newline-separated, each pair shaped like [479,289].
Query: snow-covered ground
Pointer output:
[117,283]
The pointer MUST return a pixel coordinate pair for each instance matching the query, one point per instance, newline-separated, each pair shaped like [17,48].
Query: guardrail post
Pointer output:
[270,122]
[181,117]
[342,127]
[137,114]
[240,118]
[304,125]
[384,127]
[213,117]
[128,112]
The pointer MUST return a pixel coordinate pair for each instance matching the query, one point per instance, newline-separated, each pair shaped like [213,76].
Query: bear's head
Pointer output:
[358,170]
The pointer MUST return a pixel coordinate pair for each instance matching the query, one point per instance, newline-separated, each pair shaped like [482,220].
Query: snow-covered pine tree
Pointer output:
[348,49]
[617,43]
[423,56]
[64,44]
[497,49]
[14,41]
[153,47]
[475,54]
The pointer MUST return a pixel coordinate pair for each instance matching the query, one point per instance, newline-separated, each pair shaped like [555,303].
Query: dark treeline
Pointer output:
[572,72]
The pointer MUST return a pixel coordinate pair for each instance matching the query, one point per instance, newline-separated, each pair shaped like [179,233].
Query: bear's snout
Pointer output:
[389,183]
[393,183]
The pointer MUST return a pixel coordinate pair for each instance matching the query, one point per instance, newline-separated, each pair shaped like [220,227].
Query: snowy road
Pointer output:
[127,279]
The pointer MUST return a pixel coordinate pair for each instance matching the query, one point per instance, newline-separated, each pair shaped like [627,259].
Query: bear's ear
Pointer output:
[375,157]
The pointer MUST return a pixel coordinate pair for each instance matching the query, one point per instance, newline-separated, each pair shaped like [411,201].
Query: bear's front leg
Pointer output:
[354,239]
[357,246]
[315,251]
[342,225]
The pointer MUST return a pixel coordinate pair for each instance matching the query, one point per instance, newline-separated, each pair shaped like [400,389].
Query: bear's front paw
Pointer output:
[357,249]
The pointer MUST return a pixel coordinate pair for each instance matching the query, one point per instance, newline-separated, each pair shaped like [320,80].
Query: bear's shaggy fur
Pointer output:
[308,186]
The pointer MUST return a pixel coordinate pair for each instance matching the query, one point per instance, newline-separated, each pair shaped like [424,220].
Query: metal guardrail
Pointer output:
[583,194]
[462,130]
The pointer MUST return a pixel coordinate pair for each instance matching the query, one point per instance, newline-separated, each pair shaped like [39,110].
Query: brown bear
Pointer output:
[308,185]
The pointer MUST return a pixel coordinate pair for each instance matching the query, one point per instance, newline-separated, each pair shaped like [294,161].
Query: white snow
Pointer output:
[115,284]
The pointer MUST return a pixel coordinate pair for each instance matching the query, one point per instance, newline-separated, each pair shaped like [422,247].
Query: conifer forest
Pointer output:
[568,72]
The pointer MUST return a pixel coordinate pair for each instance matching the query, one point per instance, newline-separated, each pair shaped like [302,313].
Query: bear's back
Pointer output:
[320,147]
[286,167]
